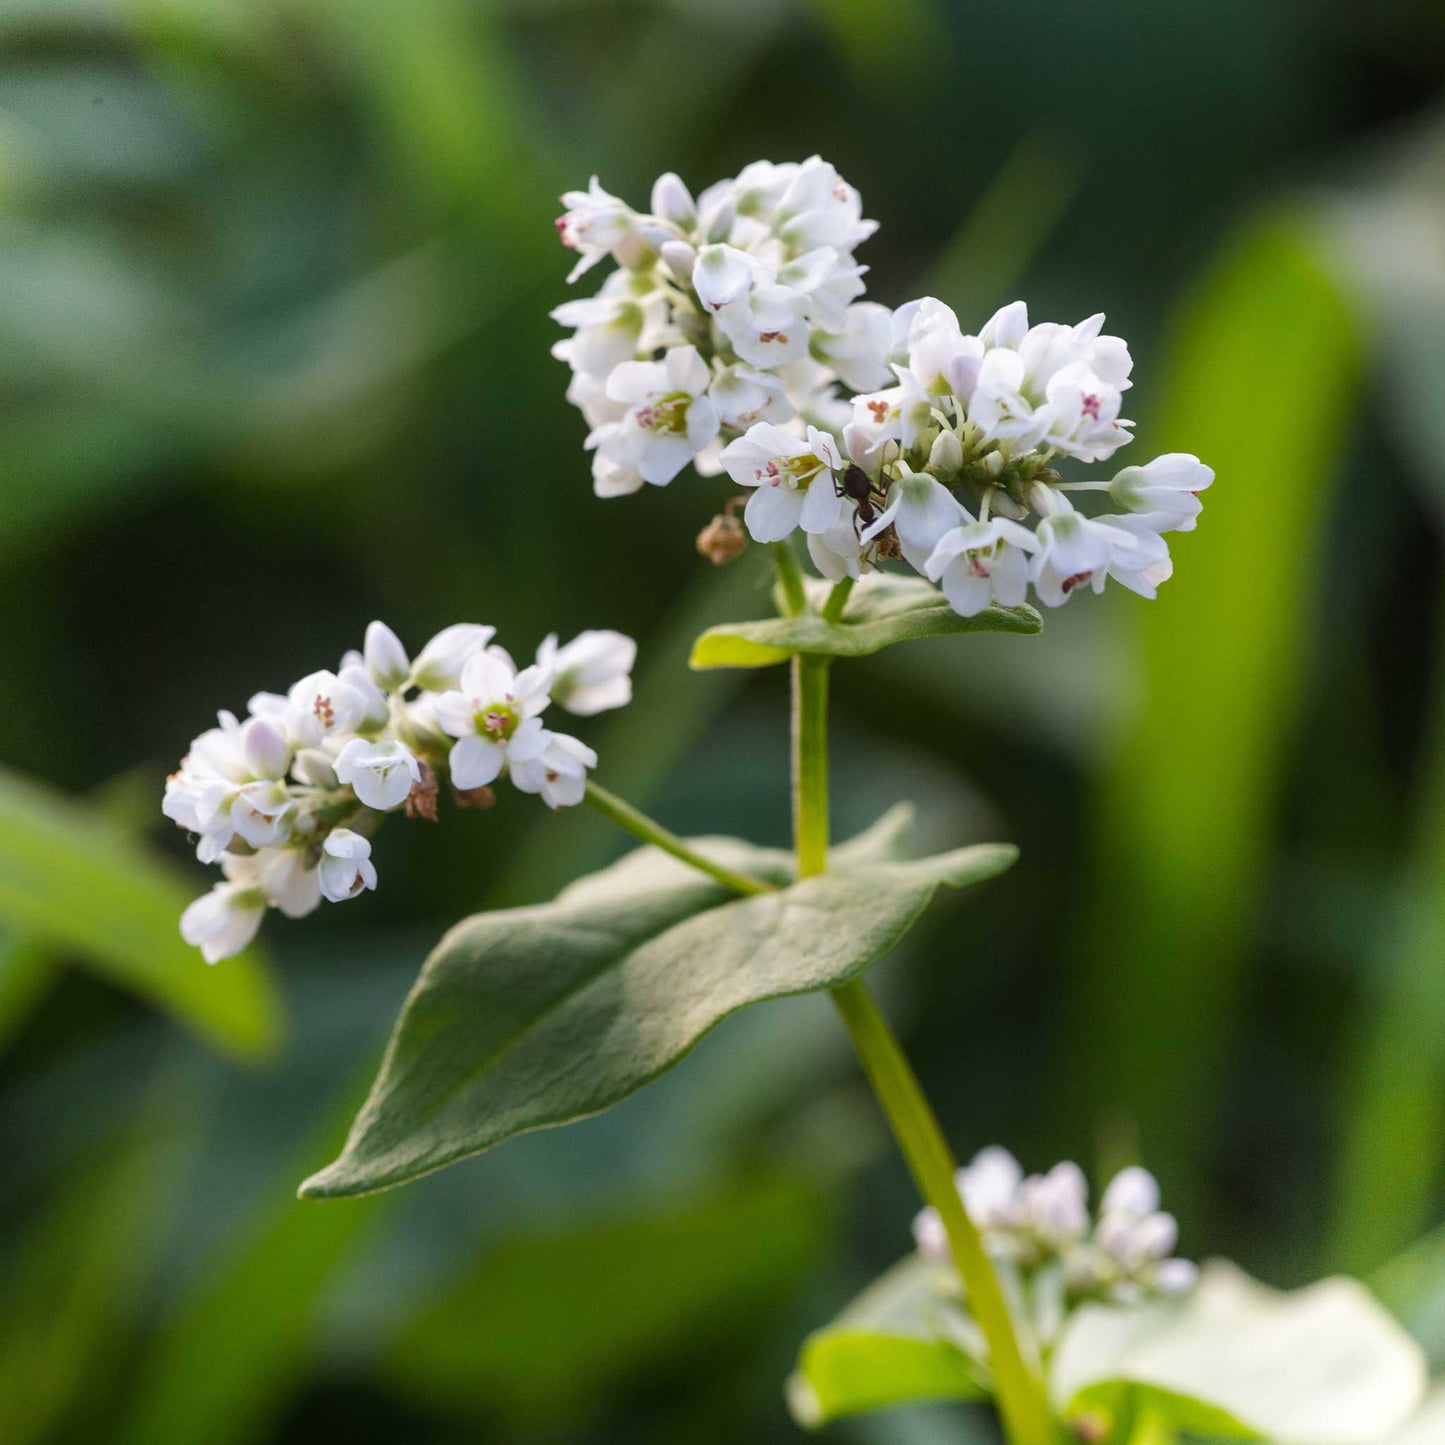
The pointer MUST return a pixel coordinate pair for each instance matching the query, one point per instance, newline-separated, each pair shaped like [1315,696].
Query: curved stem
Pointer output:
[1017,1387]
[640,825]
[1022,1402]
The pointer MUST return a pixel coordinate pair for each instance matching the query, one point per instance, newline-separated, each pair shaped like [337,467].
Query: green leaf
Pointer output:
[883,609]
[71,879]
[530,1017]
[1324,1365]
[680,1283]
[902,1341]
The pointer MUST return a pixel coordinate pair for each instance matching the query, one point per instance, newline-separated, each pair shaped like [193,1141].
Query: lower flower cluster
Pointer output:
[286,799]
[1041,1227]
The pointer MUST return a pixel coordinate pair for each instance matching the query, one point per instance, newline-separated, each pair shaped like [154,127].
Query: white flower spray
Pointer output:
[286,800]
[733,325]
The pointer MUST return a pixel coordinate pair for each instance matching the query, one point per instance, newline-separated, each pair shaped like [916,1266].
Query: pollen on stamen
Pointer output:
[1069,583]
[1091,406]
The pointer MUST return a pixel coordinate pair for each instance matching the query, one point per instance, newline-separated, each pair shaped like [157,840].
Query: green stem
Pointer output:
[790,578]
[1021,1399]
[1017,1387]
[837,600]
[810,762]
[641,826]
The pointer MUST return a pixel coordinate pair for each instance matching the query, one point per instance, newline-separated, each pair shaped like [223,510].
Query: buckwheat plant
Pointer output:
[939,478]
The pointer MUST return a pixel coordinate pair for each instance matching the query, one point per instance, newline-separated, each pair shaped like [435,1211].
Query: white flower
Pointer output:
[558,770]
[440,662]
[981,563]
[290,884]
[386,658]
[768,327]
[819,208]
[672,201]
[989,1188]
[380,773]
[1056,1205]
[920,511]
[1165,492]
[1143,567]
[944,360]
[229,783]
[494,717]
[858,350]
[346,868]
[592,673]
[322,705]
[222,922]
[722,276]
[1131,1191]
[793,477]
[621,323]
[837,552]
[745,396]
[1072,549]
[669,416]
[829,280]
[1083,414]
[594,225]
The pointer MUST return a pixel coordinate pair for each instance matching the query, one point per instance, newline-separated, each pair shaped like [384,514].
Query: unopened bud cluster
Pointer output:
[733,325]
[286,799]
[1041,1227]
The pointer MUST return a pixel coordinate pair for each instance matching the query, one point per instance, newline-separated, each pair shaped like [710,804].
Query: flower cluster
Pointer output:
[286,800]
[1041,1227]
[737,308]
[725,334]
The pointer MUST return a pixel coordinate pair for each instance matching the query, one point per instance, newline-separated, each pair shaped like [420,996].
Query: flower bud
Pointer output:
[1133,1191]
[442,659]
[313,766]
[721,276]
[267,752]
[680,258]
[945,456]
[672,201]
[722,540]
[386,658]
[346,868]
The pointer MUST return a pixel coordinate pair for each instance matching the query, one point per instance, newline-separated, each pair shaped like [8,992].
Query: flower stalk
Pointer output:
[641,826]
[1017,1385]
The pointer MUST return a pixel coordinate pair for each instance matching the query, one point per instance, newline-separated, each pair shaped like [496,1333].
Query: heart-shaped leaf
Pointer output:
[1321,1366]
[882,609]
[529,1017]
[902,1341]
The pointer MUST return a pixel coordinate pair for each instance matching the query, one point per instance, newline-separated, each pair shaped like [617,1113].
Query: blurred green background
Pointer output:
[274,282]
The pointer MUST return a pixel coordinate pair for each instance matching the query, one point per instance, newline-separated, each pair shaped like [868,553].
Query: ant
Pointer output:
[857,484]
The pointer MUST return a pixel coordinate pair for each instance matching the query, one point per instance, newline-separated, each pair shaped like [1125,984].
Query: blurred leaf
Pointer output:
[1263,384]
[1007,226]
[905,39]
[25,973]
[900,1341]
[548,1324]
[1387,235]
[882,609]
[1394,1087]
[1324,1365]
[67,1295]
[531,1017]
[69,878]
[223,1367]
